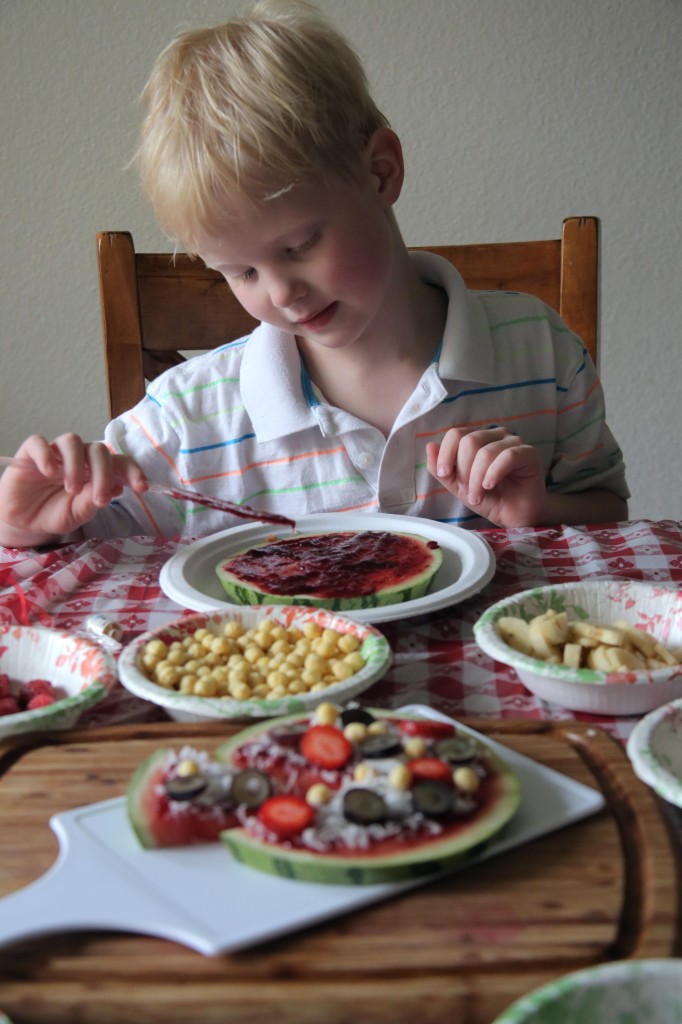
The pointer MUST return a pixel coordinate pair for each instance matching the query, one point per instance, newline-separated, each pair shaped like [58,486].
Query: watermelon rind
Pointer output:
[407,590]
[140,789]
[438,855]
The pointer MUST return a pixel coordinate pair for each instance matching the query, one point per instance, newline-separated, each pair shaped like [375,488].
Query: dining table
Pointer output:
[460,946]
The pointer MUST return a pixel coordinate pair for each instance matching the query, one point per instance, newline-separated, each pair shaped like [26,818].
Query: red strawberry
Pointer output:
[5,688]
[326,746]
[429,769]
[429,730]
[41,700]
[9,706]
[285,815]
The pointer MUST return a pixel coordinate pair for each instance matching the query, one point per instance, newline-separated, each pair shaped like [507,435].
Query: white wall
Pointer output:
[513,114]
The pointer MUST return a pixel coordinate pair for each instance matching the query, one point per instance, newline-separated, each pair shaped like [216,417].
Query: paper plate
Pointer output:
[189,577]
[77,667]
[654,608]
[188,708]
[624,992]
[655,750]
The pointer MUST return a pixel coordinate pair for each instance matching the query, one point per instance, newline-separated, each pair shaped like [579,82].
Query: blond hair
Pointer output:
[248,109]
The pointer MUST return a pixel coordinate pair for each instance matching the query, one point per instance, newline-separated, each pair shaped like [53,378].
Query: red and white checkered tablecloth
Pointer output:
[436,660]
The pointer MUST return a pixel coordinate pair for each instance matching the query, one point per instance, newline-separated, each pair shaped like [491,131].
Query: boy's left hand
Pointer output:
[494,473]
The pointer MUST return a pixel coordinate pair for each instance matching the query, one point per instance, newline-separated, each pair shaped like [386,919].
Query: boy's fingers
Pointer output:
[513,458]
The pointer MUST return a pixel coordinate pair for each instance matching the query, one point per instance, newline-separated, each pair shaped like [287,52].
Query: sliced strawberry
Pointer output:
[286,815]
[326,746]
[429,769]
[423,727]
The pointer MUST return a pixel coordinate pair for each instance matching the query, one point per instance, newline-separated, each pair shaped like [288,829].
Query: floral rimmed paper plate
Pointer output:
[656,609]
[80,671]
[622,992]
[183,707]
[655,750]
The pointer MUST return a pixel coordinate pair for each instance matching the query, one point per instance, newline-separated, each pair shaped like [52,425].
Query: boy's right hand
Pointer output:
[66,484]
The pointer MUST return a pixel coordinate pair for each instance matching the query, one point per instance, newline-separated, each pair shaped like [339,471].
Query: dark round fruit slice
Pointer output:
[432,798]
[455,749]
[185,787]
[354,569]
[382,744]
[364,806]
[362,715]
[250,788]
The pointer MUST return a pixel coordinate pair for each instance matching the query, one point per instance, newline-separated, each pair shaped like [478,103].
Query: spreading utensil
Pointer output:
[182,494]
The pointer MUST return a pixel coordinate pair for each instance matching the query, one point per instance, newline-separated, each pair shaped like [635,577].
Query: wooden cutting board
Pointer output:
[460,949]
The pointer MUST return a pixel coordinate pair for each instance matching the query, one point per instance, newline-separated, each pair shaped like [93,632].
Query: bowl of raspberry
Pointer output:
[49,678]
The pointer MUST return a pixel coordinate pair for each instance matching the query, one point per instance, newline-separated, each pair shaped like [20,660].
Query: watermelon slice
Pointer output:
[158,820]
[366,855]
[341,571]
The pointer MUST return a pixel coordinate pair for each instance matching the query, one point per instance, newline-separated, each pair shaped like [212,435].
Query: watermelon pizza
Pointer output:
[355,796]
[342,571]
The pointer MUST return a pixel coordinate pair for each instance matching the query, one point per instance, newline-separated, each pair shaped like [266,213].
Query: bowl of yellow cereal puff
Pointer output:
[254,662]
[602,646]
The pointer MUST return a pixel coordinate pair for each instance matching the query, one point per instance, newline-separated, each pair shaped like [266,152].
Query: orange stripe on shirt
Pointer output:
[266,462]
[157,447]
[581,455]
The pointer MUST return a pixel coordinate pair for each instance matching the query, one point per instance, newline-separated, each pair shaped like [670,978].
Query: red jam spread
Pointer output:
[333,564]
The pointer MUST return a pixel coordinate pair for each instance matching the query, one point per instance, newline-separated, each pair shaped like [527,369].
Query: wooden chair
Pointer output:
[156,306]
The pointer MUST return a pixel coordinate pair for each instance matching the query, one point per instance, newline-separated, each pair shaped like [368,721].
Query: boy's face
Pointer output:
[315,261]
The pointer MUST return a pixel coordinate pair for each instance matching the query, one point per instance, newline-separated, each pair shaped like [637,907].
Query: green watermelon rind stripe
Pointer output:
[138,788]
[310,867]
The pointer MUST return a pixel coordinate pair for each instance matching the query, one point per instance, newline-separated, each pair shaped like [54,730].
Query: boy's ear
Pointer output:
[383,159]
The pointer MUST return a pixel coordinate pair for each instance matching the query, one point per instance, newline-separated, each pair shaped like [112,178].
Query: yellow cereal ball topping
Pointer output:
[205,687]
[240,691]
[318,794]
[356,732]
[415,746]
[466,779]
[156,648]
[187,767]
[348,643]
[326,713]
[233,630]
[363,772]
[400,777]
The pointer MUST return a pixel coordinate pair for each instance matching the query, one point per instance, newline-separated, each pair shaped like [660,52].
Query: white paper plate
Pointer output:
[188,708]
[623,992]
[201,897]
[655,750]
[654,607]
[80,670]
[189,577]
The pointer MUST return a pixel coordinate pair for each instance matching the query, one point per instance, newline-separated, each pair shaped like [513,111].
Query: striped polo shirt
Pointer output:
[244,422]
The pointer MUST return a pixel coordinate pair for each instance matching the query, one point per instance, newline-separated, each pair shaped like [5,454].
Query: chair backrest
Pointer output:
[156,306]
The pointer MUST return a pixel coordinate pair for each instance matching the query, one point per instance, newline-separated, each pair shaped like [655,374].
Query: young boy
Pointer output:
[375,382]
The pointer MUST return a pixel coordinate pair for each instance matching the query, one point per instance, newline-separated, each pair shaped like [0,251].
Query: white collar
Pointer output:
[273,382]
